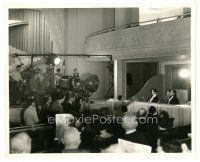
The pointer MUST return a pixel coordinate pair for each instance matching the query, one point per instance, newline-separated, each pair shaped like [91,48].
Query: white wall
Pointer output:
[162,64]
[81,23]
[154,13]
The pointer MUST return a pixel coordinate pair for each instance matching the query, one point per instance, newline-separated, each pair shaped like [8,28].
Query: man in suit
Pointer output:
[72,140]
[152,128]
[45,111]
[58,77]
[130,124]
[168,96]
[154,98]
[57,105]
[68,106]
[173,99]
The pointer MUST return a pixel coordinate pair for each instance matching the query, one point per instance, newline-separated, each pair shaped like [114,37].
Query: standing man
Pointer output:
[68,106]
[58,78]
[57,106]
[30,114]
[45,110]
[76,87]
[76,79]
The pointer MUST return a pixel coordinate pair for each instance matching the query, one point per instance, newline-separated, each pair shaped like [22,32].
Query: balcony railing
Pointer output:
[158,20]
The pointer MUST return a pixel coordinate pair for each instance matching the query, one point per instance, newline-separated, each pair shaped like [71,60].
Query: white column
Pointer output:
[119,78]
[123,16]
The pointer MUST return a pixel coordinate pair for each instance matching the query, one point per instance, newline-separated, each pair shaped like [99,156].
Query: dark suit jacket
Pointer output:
[68,108]
[57,108]
[155,99]
[174,100]
[44,113]
[106,142]
[152,131]
[137,137]
[179,132]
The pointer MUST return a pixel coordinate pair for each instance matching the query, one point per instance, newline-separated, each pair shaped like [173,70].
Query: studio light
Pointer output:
[57,60]
[184,73]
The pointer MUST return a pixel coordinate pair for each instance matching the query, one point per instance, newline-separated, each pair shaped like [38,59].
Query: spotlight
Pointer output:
[184,73]
[53,60]
[56,60]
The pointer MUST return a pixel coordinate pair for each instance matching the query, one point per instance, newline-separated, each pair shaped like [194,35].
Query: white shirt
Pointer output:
[170,99]
[152,97]
[130,131]
[30,116]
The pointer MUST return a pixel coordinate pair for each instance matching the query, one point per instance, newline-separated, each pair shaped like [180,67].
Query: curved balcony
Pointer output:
[13,23]
[156,38]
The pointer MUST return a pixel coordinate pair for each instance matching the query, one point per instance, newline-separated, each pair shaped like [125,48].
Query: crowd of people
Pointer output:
[147,127]
[58,103]
[150,128]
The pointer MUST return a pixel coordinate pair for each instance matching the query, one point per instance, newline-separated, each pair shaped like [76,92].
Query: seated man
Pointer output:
[88,139]
[71,140]
[142,117]
[154,98]
[63,122]
[130,124]
[169,146]
[106,137]
[152,128]
[179,132]
[163,120]
[20,143]
[168,95]
[30,114]
[173,99]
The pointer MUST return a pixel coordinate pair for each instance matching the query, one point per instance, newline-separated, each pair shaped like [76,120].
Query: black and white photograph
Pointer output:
[86,80]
